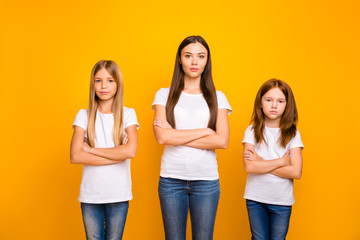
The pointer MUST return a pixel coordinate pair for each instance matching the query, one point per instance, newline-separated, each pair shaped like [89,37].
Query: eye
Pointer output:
[111,80]
[201,56]
[97,80]
[281,101]
[268,100]
[187,56]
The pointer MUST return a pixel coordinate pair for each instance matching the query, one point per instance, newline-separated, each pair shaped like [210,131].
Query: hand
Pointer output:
[251,155]
[209,131]
[286,158]
[125,139]
[86,147]
[162,123]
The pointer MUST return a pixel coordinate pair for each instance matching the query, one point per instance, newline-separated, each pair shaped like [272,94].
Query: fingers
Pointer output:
[287,154]
[248,155]
[161,123]
[125,139]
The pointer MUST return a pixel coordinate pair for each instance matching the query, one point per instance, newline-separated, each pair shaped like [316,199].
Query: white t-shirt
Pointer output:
[110,183]
[187,163]
[268,188]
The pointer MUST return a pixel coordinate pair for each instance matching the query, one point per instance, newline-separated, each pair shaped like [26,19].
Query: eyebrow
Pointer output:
[197,53]
[277,98]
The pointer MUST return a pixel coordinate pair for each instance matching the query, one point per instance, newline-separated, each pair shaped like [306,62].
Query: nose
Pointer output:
[274,104]
[103,84]
[194,61]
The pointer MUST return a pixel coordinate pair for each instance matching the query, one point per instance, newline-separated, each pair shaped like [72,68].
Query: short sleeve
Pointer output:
[161,97]
[249,136]
[296,141]
[81,119]
[130,118]
[223,102]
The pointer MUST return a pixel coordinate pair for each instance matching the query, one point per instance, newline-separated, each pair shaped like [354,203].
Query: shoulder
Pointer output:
[161,96]
[81,118]
[163,91]
[249,135]
[130,118]
[296,141]
[82,114]
[128,111]
[220,93]
[250,129]
[223,102]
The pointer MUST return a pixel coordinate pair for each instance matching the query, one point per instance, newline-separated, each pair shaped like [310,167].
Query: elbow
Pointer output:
[161,140]
[297,175]
[132,154]
[73,159]
[249,169]
[224,144]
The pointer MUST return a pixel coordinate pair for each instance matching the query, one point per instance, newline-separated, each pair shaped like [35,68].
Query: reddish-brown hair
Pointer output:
[288,120]
[206,84]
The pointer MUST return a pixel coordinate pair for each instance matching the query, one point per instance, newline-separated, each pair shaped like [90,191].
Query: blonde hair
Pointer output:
[117,107]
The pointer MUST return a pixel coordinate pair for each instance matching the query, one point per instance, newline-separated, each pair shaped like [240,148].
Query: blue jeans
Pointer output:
[104,221]
[178,196]
[267,221]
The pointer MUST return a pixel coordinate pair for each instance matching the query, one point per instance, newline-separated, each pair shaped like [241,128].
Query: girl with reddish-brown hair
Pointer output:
[272,158]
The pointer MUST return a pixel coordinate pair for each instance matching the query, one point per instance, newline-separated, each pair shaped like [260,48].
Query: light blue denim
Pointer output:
[268,221]
[178,196]
[104,221]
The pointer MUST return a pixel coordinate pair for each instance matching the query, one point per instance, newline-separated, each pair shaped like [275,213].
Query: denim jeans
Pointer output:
[178,196]
[104,221]
[267,221]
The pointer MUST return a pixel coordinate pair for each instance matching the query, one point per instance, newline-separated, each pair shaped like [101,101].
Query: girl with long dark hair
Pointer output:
[191,119]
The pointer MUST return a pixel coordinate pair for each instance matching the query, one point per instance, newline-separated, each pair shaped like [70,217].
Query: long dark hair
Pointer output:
[206,84]
[288,120]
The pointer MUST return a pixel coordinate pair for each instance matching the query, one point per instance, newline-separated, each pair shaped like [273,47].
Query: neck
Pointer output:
[105,106]
[192,84]
[272,123]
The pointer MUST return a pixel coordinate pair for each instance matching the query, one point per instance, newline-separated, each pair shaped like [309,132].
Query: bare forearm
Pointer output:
[209,142]
[170,136]
[287,172]
[119,153]
[85,158]
[263,166]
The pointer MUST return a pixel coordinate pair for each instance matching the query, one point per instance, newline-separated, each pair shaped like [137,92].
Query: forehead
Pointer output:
[103,73]
[274,93]
[194,48]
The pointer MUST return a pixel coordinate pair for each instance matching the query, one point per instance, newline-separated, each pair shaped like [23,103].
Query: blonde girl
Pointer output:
[104,140]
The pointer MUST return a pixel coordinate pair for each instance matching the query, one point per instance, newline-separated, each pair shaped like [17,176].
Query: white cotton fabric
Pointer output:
[110,183]
[268,188]
[187,163]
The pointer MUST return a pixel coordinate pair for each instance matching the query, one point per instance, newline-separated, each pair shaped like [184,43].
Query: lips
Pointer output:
[194,69]
[104,92]
[273,112]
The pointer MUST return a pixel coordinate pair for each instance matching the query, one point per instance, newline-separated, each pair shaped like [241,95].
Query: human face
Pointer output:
[273,104]
[193,59]
[105,85]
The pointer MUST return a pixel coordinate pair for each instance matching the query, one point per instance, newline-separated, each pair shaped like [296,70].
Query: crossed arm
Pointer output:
[202,138]
[288,166]
[82,153]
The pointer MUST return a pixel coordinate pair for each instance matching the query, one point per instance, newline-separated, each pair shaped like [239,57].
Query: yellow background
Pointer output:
[47,50]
